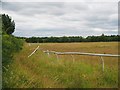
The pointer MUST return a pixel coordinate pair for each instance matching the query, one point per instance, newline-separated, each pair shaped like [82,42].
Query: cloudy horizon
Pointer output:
[43,19]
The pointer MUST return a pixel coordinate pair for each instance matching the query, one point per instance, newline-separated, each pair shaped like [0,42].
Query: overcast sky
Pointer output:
[63,18]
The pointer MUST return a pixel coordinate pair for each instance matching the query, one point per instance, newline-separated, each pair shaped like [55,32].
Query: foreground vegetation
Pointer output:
[41,71]
[10,44]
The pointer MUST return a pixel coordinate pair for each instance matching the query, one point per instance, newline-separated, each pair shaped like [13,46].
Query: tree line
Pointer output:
[101,38]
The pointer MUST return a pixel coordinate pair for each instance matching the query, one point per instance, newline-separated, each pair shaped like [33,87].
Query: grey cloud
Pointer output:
[62,18]
[31,8]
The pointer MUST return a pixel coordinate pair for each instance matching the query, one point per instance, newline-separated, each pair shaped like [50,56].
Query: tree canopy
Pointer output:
[8,25]
[101,38]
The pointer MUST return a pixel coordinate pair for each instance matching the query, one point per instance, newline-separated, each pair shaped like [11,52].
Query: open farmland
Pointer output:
[41,71]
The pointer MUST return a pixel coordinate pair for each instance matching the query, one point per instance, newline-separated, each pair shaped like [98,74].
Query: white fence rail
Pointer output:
[81,53]
[34,51]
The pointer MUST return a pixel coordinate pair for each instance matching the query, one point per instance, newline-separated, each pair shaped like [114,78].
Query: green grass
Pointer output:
[41,71]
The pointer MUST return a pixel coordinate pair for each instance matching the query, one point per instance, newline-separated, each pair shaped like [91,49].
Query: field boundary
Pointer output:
[81,53]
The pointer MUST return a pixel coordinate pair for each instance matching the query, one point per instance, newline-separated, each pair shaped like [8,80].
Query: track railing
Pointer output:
[33,52]
[81,53]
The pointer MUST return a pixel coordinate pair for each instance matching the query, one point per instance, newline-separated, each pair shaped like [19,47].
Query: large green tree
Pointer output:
[10,44]
[8,25]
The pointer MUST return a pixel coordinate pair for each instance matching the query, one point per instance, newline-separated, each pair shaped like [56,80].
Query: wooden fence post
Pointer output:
[73,58]
[48,53]
[81,53]
[102,63]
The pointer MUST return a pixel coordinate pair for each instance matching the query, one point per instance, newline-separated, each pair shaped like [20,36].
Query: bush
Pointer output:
[10,45]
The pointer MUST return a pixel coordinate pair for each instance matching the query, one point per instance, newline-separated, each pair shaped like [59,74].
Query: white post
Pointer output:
[102,63]
[73,58]
[33,51]
[48,53]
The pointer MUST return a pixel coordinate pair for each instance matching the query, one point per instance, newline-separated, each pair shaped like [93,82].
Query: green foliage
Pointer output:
[10,45]
[102,38]
[0,24]
[8,25]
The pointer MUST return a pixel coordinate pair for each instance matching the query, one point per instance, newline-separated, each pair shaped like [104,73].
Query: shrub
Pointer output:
[10,45]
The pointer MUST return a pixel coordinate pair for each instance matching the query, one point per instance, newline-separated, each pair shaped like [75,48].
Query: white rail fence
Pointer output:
[81,53]
[33,51]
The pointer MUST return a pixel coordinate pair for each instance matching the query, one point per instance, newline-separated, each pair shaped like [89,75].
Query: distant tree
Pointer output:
[8,25]
[101,38]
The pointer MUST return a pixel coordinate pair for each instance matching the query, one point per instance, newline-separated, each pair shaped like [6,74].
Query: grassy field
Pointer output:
[41,71]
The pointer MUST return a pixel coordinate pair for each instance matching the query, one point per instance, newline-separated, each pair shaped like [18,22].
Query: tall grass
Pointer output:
[41,71]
